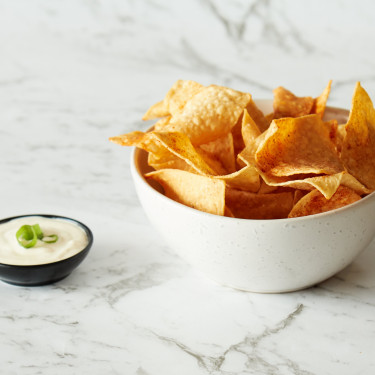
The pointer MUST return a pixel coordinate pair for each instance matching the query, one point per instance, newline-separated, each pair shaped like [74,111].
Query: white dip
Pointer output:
[71,240]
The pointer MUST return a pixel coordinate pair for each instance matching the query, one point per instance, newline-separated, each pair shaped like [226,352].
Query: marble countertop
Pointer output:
[76,72]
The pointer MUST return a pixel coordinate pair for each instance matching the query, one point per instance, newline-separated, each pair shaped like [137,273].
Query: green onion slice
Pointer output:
[28,235]
[50,239]
[38,231]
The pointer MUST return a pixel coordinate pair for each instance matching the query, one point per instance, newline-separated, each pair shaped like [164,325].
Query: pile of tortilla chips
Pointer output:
[214,150]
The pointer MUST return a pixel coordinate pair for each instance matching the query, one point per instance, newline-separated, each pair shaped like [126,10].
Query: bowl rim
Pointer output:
[265,102]
[87,230]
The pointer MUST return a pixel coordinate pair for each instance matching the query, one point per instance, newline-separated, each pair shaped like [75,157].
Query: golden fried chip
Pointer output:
[265,188]
[249,129]
[162,123]
[249,126]
[168,161]
[297,146]
[247,155]
[175,100]
[286,104]
[246,179]
[161,144]
[212,162]
[327,185]
[210,114]
[222,150]
[180,145]
[261,121]
[298,194]
[238,142]
[249,134]
[145,141]
[339,137]
[315,203]
[246,205]
[200,192]
[358,147]
[320,102]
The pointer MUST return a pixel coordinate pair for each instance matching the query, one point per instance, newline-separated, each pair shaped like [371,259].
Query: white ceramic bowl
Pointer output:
[266,256]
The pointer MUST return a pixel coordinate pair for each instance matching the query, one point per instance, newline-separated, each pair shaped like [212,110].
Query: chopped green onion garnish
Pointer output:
[50,239]
[28,235]
[38,231]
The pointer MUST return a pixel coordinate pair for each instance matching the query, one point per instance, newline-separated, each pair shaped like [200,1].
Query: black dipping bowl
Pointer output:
[43,274]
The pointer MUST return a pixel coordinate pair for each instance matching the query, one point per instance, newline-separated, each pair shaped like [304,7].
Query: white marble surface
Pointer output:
[75,72]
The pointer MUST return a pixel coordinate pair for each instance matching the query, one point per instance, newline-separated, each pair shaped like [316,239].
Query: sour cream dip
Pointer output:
[71,240]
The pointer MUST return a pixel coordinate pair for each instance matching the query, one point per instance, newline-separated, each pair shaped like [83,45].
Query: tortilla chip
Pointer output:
[298,146]
[358,147]
[169,161]
[246,179]
[320,102]
[145,141]
[161,144]
[265,188]
[238,142]
[180,145]
[210,114]
[162,123]
[213,162]
[222,149]
[298,194]
[175,100]
[246,205]
[157,110]
[261,121]
[315,203]
[249,129]
[327,185]
[199,192]
[339,137]
[286,104]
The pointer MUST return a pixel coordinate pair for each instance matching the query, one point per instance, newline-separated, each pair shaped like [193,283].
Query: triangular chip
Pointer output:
[180,145]
[246,179]
[320,102]
[210,114]
[175,100]
[199,192]
[249,135]
[315,203]
[286,104]
[358,147]
[222,150]
[298,146]
[261,121]
[250,130]
[161,144]
[327,185]
[169,161]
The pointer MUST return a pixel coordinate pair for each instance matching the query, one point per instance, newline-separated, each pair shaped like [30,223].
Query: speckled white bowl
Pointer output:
[266,256]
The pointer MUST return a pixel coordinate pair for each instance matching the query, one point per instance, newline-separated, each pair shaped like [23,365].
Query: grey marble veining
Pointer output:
[74,73]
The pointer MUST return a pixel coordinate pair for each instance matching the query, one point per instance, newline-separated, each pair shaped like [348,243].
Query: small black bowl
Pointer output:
[43,274]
